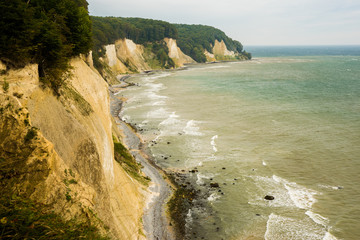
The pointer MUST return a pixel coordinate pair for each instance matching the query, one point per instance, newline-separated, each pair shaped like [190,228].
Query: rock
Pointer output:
[223,168]
[214,185]
[168,142]
[269,197]
[258,214]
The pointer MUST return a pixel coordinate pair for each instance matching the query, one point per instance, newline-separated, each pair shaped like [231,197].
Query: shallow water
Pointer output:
[282,126]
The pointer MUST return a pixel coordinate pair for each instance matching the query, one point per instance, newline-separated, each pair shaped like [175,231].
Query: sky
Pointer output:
[252,22]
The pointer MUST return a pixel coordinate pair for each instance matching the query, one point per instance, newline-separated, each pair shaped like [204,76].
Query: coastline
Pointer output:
[173,192]
[156,221]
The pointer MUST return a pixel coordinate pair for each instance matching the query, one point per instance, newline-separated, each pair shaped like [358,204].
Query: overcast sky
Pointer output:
[252,22]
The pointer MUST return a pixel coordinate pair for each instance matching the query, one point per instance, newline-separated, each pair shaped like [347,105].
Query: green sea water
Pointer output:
[286,126]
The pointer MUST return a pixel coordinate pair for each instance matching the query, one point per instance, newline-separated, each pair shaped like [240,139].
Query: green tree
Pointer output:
[46,32]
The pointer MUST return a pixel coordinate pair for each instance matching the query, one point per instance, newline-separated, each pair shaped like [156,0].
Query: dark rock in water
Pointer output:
[168,142]
[268,197]
[340,187]
[214,185]
[211,179]
[223,168]
[258,215]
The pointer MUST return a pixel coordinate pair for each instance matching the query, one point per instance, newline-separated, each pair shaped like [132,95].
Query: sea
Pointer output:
[285,124]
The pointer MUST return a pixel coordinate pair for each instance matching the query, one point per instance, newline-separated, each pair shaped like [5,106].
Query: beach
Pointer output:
[155,220]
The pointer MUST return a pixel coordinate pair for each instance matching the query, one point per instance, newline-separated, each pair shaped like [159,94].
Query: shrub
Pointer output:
[6,86]
[30,134]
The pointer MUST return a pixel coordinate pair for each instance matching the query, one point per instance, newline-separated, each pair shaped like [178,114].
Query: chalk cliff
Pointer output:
[176,54]
[59,150]
[125,56]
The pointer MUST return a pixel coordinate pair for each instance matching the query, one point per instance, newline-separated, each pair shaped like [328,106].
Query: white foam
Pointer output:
[158,113]
[329,236]
[318,218]
[281,227]
[159,76]
[171,120]
[267,185]
[201,176]
[215,67]
[154,96]
[154,87]
[213,144]
[330,187]
[126,118]
[301,196]
[213,197]
[192,129]
[264,163]
[159,103]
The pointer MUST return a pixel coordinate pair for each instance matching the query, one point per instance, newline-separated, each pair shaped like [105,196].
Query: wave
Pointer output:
[281,227]
[318,218]
[158,113]
[330,187]
[201,176]
[213,197]
[192,129]
[213,144]
[171,126]
[159,103]
[301,196]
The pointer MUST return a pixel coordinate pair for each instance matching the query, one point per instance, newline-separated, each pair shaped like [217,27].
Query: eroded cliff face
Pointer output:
[124,56]
[59,150]
[176,54]
[220,50]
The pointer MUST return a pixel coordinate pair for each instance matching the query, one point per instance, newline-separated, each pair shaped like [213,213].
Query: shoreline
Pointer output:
[156,220]
[174,192]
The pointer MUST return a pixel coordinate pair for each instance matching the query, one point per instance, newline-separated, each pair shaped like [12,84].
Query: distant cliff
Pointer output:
[129,45]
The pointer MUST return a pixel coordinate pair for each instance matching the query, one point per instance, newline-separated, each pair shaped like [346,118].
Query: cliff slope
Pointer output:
[59,150]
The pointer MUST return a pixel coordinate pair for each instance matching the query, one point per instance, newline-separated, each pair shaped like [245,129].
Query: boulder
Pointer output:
[269,197]
[214,185]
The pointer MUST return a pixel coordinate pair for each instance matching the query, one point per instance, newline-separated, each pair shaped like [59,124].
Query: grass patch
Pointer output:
[22,218]
[128,163]
[5,86]
[81,104]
